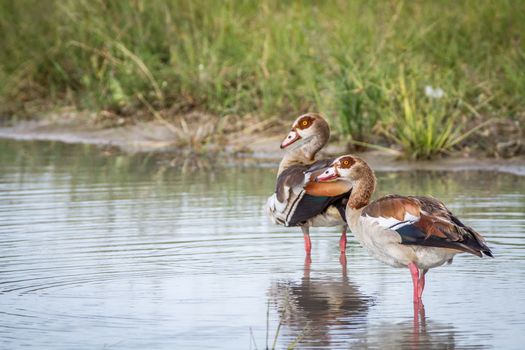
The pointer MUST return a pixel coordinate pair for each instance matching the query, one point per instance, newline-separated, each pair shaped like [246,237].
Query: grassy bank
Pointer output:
[417,74]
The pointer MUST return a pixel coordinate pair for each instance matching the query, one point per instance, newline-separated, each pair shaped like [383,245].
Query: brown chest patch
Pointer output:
[329,189]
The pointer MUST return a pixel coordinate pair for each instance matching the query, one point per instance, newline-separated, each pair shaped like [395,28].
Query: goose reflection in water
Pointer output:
[317,311]
[332,313]
[418,333]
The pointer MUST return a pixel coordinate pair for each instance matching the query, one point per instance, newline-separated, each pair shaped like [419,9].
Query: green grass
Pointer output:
[364,64]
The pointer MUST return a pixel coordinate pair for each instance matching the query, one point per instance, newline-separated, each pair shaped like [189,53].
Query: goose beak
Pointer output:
[329,174]
[291,138]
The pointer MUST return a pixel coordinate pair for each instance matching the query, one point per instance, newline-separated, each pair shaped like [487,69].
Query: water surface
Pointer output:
[100,250]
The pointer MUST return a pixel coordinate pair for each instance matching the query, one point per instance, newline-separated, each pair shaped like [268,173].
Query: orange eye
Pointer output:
[346,162]
[304,123]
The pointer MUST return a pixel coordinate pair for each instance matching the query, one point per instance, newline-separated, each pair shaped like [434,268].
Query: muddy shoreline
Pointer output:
[154,136]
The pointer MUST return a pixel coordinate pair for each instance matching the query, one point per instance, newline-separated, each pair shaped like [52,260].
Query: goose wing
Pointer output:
[298,198]
[424,221]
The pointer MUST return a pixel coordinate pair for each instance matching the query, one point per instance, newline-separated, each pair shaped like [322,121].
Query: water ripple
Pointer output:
[96,256]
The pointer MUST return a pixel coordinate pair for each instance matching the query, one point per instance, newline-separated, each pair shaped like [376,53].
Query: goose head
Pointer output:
[309,129]
[345,168]
[358,176]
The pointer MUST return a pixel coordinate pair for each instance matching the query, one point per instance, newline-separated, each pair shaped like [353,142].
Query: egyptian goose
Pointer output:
[298,200]
[402,231]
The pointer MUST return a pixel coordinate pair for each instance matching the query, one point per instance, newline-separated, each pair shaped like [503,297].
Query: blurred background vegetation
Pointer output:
[421,75]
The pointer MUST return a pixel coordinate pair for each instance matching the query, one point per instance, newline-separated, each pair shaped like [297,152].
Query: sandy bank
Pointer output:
[154,136]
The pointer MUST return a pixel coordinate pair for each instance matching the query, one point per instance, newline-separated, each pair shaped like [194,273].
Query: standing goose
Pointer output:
[298,200]
[402,231]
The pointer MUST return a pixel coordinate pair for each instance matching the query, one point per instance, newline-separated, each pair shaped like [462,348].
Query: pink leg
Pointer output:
[421,284]
[342,260]
[307,244]
[307,241]
[342,241]
[414,271]
[419,315]
[418,279]
[415,324]
[307,264]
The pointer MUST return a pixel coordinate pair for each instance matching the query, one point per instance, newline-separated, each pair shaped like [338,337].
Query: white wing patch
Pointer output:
[392,223]
[307,178]
[280,212]
[271,207]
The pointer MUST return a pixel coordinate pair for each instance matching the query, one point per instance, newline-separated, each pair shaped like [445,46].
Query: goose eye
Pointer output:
[304,123]
[346,162]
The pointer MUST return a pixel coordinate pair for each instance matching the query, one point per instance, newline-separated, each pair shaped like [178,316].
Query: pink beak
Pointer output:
[329,174]
[291,138]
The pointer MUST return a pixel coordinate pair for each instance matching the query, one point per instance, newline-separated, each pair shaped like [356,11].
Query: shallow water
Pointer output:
[101,250]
